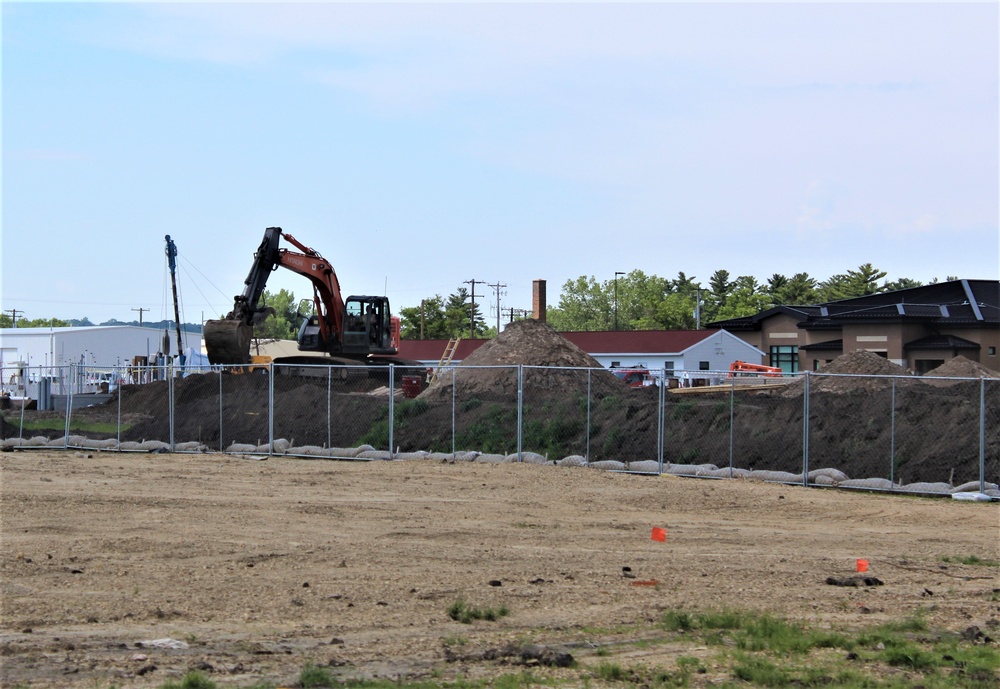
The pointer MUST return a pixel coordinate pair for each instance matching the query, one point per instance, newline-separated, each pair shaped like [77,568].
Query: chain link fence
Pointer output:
[891,433]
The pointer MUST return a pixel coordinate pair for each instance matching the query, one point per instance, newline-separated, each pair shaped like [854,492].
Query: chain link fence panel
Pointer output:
[894,433]
[991,433]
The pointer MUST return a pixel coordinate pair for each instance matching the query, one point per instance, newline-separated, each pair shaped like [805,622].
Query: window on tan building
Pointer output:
[785,357]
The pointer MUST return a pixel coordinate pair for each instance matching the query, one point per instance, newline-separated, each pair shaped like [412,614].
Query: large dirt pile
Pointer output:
[959,367]
[861,363]
[526,343]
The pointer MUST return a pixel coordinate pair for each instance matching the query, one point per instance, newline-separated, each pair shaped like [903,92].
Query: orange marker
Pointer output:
[862,565]
[659,534]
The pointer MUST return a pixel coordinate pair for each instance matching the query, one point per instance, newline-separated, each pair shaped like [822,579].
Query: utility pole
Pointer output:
[13,315]
[472,311]
[140,310]
[423,315]
[172,262]
[496,288]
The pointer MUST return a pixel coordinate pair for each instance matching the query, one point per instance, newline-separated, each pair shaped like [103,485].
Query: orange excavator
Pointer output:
[356,330]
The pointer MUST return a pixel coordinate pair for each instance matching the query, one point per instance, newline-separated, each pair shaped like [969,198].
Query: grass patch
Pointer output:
[681,409]
[192,680]
[312,676]
[378,432]
[973,560]
[59,426]
[763,650]
[461,611]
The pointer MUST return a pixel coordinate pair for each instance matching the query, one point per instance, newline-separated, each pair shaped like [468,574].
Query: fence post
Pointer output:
[69,404]
[454,384]
[805,430]
[118,437]
[590,374]
[170,406]
[222,371]
[392,406]
[982,435]
[270,409]
[520,409]
[732,414]
[661,429]
[892,436]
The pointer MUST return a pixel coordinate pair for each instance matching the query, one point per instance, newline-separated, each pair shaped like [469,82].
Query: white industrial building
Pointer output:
[98,345]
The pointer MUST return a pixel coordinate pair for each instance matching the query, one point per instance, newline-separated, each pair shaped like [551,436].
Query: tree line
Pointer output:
[635,301]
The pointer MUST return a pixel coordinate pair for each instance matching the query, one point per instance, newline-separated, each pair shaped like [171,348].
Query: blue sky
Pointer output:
[420,146]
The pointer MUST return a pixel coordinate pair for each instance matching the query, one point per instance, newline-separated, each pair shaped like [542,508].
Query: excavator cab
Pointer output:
[367,326]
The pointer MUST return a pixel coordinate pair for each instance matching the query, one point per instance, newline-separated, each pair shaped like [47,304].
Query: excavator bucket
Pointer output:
[228,341]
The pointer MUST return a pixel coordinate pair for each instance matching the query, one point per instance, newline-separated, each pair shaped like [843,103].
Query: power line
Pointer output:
[496,287]
[13,315]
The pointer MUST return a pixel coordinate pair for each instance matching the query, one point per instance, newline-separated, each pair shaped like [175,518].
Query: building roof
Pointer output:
[637,341]
[956,303]
[744,323]
[941,342]
[595,343]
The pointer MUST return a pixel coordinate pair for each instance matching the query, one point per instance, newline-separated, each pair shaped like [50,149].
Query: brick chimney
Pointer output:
[538,300]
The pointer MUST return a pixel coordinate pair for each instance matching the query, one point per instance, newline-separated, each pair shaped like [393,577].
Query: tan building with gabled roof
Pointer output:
[919,328]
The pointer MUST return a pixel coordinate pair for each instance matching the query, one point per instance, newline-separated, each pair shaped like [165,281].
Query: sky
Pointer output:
[423,146]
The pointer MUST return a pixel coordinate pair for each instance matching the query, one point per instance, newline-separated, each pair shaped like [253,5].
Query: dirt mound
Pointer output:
[960,367]
[861,363]
[864,363]
[528,343]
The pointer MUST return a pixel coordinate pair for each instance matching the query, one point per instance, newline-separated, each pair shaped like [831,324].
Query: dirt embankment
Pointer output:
[569,411]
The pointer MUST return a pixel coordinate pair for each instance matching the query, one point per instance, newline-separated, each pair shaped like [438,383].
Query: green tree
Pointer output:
[639,298]
[283,323]
[799,290]
[720,287]
[746,299]
[432,314]
[443,319]
[901,283]
[584,304]
[853,283]
[677,311]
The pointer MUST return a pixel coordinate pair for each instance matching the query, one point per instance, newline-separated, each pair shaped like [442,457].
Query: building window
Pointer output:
[669,365]
[785,357]
[992,351]
[616,364]
[703,366]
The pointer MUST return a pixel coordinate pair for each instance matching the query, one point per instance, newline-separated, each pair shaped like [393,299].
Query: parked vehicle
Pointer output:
[634,377]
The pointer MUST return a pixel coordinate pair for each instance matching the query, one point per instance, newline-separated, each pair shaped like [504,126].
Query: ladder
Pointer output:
[449,352]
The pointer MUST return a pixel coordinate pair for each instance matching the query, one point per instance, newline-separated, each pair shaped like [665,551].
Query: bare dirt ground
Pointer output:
[259,568]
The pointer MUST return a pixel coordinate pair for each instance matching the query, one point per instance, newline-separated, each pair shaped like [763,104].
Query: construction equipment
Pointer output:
[739,369]
[359,329]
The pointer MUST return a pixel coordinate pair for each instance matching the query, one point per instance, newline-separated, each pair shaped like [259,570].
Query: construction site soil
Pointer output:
[132,570]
